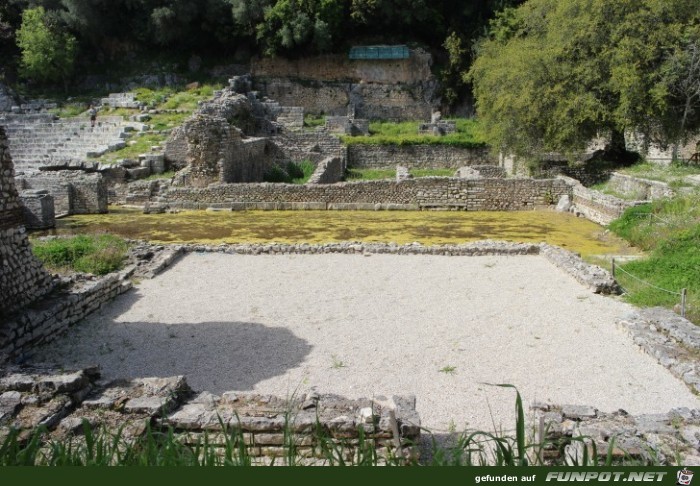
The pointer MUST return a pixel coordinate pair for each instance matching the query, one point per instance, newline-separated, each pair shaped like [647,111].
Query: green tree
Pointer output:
[48,52]
[553,74]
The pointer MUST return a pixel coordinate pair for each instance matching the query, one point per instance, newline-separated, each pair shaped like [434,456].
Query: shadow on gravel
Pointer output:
[214,356]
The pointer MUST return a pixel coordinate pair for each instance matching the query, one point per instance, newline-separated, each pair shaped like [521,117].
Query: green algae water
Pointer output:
[426,227]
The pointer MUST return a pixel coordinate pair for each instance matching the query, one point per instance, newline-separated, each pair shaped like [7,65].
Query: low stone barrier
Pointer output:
[319,426]
[411,194]
[596,206]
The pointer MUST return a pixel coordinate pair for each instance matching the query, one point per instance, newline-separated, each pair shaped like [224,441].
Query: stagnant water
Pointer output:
[426,227]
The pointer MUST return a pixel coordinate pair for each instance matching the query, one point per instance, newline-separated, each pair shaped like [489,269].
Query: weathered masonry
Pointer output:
[422,193]
[22,278]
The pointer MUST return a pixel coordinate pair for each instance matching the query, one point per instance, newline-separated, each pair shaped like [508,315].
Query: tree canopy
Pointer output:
[48,53]
[554,74]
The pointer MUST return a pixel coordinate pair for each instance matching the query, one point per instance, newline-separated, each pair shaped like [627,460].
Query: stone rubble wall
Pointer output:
[338,67]
[395,102]
[23,279]
[313,146]
[32,327]
[28,327]
[361,156]
[640,189]
[38,208]
[596,206]
[262,424]
[659,438]
[74,192]
[422,193]
[328,171]
[248,162]
[291,117]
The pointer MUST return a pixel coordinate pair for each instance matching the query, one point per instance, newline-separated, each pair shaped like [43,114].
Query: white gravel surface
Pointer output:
[437,327]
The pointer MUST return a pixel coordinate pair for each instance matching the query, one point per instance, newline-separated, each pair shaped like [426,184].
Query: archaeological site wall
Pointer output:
[422,193]
[23,280]
[73,192]
[417,156]
[332,84]
[596,206]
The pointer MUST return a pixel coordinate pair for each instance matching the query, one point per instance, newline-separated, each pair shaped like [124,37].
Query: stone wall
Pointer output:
[371,101]
[74,192]
[32,327]
[417,156]
[328,171]
[320,426]
[38,209]
[23,280]
[422,193]
[656,153]
[313,146]
[338,67]
[640,189]
[594,205]
[248,161]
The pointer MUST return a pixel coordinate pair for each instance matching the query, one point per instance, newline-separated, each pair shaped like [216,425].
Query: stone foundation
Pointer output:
[73,192]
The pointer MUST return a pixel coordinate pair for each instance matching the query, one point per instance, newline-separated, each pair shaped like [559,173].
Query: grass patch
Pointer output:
[313,121]
[292,173]
[672,173]
[406,133]
[670,230]
[98,255]
[432,172]
[369,174]
[165,175]
[142,144]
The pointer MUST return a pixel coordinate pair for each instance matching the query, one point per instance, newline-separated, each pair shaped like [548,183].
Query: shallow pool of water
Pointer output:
[426,227]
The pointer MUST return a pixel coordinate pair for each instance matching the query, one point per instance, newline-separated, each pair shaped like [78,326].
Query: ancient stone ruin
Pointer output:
[23,280]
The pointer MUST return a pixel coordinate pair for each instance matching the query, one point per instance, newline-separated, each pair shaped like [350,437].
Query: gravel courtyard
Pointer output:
[441,328]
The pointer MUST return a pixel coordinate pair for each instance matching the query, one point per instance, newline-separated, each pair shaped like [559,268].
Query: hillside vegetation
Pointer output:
[669,230]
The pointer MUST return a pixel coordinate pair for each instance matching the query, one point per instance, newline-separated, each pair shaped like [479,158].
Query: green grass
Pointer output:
[369,174]
[665,173]
[313,121]
[292,173]
[406,133]
[98,255]
[165,175]
[142,145]
[432,172]
[379,174]
[70,110]
[669,230]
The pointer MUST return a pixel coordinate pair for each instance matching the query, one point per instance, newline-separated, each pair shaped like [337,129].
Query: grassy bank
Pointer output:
[406,133]
[98,255]
[670,231]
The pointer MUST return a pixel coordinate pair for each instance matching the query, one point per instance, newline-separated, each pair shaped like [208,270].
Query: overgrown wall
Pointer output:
[417,156]
[639,188]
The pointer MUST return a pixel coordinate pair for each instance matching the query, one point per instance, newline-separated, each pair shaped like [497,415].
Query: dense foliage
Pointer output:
[109,30]
[555,73]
